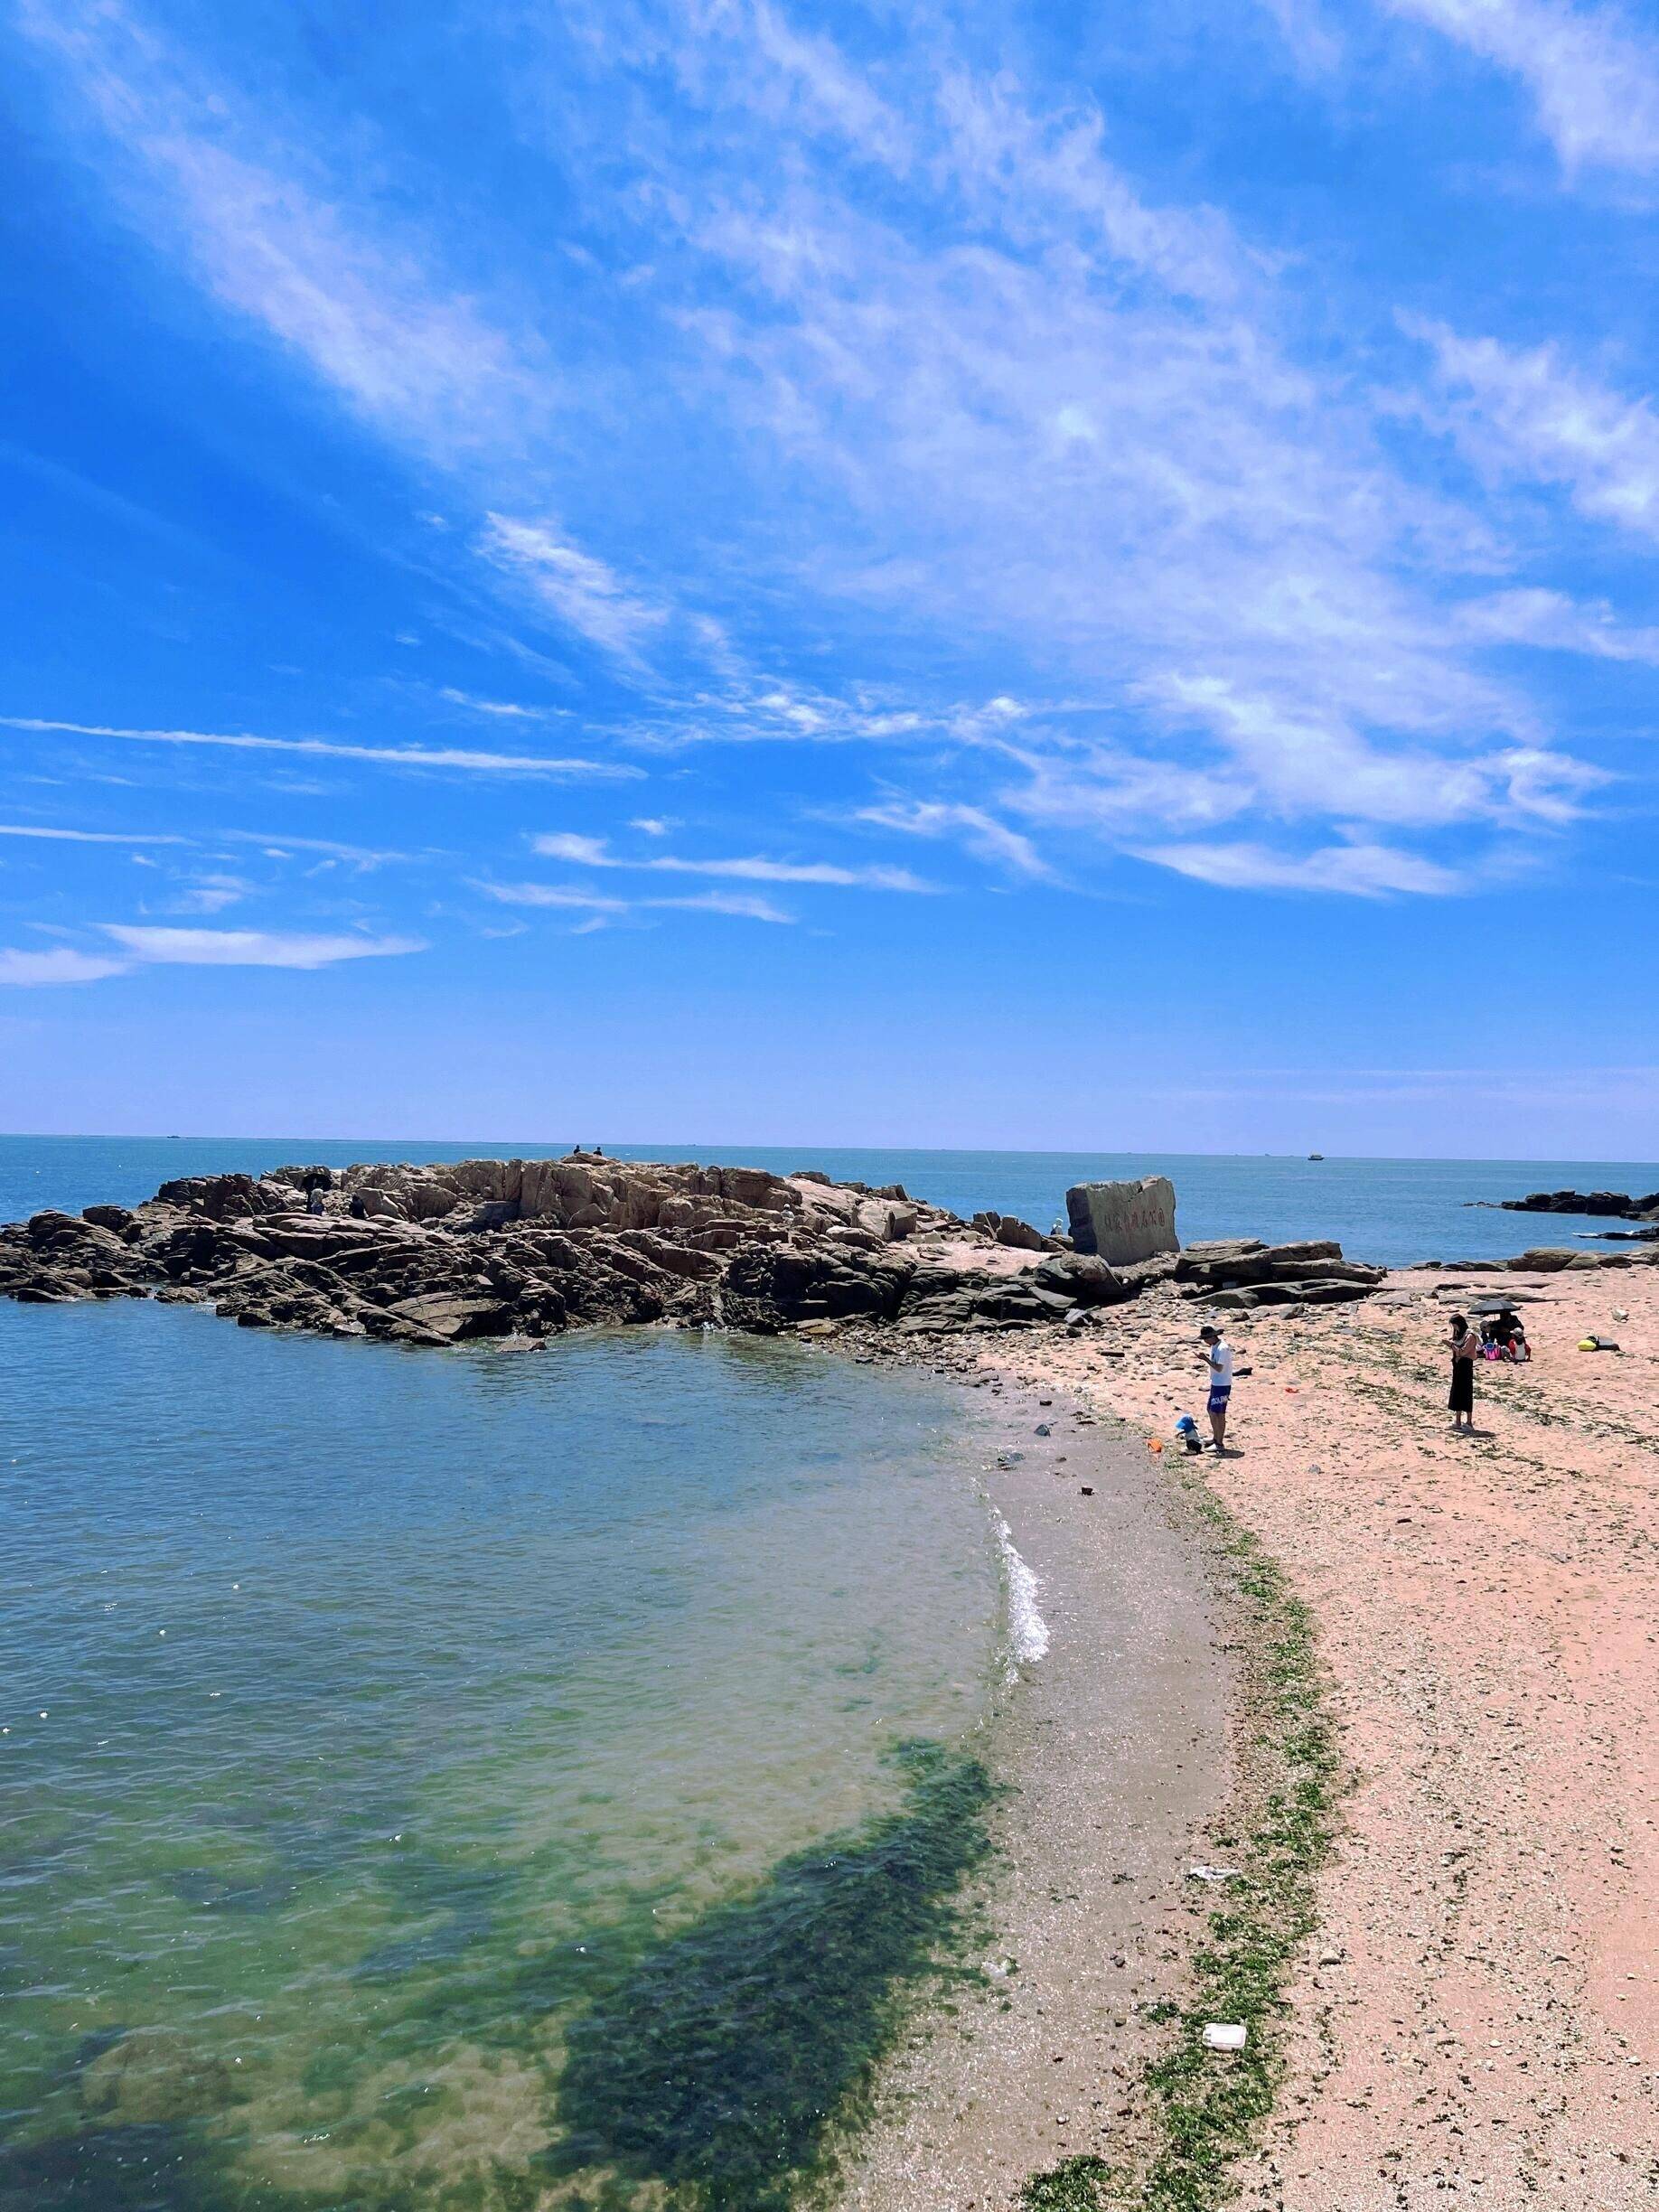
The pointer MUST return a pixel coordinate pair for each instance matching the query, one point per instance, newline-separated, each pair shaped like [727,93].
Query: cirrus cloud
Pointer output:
[1362,871]
[30,970]
[595,853]
[203,948]
[464,758]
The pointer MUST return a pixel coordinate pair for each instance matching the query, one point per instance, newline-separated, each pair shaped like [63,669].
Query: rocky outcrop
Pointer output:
[443,1254]
[1124,1222]
[1238,1273]
[1615,1205]
[1551,1259]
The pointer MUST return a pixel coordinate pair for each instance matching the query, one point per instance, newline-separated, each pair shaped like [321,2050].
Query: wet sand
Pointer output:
[1113,1748]
[1476,2022]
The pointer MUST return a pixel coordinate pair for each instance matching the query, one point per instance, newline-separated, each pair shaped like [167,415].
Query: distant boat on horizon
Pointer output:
[1313,1156]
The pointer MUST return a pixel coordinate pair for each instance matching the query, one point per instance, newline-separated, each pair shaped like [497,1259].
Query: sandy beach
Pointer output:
[1085,1914]
[1477,2018]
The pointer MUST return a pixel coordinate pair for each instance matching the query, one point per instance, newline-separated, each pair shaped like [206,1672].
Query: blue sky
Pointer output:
[710,569]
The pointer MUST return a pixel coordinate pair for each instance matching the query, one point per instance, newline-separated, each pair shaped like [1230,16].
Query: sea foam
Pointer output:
[1027,1630]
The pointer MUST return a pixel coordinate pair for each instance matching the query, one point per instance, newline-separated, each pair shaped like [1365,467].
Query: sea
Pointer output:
[498,1780]
[487,1780]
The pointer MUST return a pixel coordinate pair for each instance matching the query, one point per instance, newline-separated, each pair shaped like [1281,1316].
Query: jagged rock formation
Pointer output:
[1616,1206]
[1020,1235]
[1237,1274]
[436,1255]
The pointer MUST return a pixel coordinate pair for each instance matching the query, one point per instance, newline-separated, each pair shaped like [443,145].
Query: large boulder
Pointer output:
[113,1217]
[1081,1278]
[1550,1260]
[450,1317]
[1009,1229]
[1122,1223]
[224,1198]
[1214,1251]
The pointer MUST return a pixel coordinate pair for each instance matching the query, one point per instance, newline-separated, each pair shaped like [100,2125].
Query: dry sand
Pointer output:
[1477,2022]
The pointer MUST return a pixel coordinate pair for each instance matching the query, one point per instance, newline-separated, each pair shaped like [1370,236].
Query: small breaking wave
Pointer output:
[1027,1630]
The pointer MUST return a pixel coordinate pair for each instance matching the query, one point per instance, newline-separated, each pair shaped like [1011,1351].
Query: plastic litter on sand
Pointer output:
[1226,2036]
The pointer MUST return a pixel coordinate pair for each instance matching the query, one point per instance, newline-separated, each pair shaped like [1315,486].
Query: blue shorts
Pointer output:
[1219,1394]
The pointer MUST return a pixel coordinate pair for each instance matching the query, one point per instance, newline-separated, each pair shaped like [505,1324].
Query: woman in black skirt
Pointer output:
[1465,1352]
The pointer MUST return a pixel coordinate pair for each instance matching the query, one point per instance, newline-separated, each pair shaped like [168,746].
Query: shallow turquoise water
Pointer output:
[494,1779]
[1389,1210]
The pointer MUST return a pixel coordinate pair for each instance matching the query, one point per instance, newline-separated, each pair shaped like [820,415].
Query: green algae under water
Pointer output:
[555,1770]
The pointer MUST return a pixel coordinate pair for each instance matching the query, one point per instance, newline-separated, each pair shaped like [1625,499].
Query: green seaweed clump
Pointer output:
[714,2066]
[1073,2185]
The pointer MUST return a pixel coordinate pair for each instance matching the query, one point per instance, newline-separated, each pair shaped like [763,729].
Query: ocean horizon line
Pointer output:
[645,1146]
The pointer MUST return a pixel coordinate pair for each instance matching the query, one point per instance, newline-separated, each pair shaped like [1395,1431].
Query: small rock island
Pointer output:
[441,1254]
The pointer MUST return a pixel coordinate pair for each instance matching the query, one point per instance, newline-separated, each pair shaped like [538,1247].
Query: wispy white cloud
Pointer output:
[1363,871]
[1531,414]
[462,757]
[30,971]
[502,709]
[581,590]
[257,215]
[279,847]
[818,85]
[595,852]
[93,837]
[1300,768]
[751,710]
[971,381]
[981,833]
[550,894]
[1592,77]
[1032,171]
[201,948]
[740,905]
[1554,623]
[209,894]
[1307,31]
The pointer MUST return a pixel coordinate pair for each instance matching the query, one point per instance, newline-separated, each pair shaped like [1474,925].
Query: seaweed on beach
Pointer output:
[715,2065]
[1204,2110]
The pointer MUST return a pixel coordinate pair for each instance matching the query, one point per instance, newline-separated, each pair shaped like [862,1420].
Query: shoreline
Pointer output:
[1111,1753]
[1085,2084]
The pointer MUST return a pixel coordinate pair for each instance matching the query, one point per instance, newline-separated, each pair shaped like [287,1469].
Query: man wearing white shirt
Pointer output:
[1220,1356]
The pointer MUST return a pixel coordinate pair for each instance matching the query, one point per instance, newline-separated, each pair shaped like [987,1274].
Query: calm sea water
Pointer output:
[495,1780]
[1391,1212]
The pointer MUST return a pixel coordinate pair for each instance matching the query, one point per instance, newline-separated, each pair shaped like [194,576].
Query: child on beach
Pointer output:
[1218,1354]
